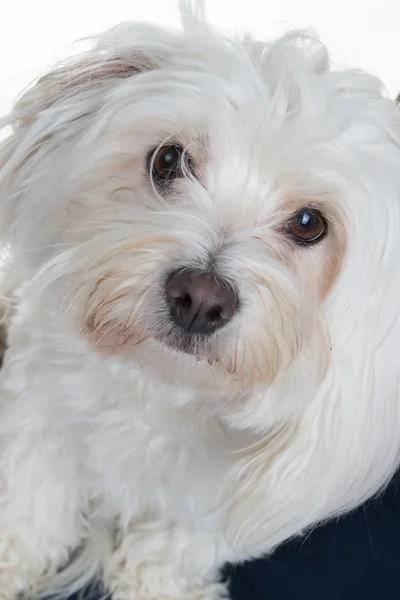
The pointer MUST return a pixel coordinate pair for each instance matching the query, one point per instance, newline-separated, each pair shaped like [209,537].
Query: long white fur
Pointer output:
[145,466]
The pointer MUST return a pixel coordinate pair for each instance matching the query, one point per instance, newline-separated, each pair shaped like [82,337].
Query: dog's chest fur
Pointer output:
[141,447]
[147,455]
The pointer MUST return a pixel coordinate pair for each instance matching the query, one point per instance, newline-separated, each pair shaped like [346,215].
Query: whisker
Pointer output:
[101,338]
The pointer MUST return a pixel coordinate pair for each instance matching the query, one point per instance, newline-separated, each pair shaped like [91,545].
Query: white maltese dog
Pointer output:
[203,359]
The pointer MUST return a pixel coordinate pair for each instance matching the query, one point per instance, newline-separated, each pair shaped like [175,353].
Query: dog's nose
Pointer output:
[200,303]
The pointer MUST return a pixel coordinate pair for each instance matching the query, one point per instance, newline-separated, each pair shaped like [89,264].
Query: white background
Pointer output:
[362,33]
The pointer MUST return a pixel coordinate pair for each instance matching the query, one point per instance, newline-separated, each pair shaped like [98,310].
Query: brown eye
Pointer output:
[307,226]
[167,163]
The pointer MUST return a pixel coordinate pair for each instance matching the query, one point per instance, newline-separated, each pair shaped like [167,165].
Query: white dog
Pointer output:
[204,357]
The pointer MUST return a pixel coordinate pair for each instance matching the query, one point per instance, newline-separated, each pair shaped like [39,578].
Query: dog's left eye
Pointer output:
[307,226]
[167,163]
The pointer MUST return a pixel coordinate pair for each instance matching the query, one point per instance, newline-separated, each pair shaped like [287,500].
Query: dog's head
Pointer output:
[212,210]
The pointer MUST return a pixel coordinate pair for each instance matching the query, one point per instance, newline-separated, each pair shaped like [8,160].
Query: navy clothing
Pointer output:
[354,558]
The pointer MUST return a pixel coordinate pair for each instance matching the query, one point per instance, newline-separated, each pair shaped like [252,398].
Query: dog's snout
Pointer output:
[200,303]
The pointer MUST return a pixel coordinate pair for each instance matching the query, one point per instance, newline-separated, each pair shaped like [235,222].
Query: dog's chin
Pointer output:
[185,344]
[186,360]
[183,363]
[169,354]
[176,358]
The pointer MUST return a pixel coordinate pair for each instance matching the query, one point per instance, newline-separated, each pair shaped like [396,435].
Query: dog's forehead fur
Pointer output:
[260,80]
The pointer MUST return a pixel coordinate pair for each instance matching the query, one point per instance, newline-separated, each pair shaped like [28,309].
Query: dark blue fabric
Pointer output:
[354,558]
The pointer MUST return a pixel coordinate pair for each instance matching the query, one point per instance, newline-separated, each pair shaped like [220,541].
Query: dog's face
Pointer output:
[192,203]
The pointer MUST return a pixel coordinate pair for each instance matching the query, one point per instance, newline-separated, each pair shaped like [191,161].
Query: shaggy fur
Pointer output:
[127,452]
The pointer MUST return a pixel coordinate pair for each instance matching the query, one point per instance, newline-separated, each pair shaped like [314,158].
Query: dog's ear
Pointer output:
[89,72]
[81,76]
[59,106]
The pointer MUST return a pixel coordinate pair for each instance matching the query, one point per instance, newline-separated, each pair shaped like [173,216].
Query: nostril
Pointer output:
[184,300]
[214,314]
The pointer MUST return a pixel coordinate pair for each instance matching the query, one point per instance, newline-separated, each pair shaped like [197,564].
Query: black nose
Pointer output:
[200,303]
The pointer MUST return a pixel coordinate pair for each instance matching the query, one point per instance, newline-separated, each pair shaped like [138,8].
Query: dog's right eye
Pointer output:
[167,163]
[307,226]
